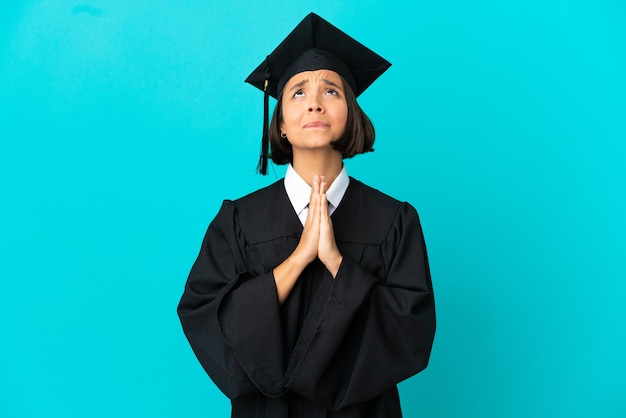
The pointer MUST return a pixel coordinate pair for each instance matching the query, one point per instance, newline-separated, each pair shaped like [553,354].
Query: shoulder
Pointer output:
[370,193]
[262,215]
[369,215]
[252,205]
[258,201]
[371,199]
[259,196]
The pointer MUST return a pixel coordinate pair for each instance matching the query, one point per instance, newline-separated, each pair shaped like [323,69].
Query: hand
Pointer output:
[307,249]
[287,273]
[327,250]
[317,241]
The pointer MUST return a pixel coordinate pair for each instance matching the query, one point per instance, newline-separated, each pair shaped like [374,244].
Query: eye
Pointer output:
[298,93]
[332,92]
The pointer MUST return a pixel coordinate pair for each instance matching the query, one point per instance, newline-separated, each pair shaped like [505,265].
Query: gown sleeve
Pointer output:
[369,334]
[232,322]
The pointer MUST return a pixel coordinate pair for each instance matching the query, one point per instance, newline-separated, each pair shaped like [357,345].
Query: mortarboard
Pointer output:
[314,44]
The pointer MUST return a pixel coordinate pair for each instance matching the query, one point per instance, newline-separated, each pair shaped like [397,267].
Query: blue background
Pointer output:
[123,125]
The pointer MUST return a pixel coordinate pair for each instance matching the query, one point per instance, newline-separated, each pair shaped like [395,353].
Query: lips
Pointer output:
[317,124]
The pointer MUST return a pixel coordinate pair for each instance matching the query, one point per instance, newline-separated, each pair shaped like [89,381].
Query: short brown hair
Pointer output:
[358,138]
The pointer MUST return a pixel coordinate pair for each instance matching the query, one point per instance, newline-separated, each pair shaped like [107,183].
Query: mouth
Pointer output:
[316,124]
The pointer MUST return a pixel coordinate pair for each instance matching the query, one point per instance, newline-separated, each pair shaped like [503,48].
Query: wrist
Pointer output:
[299,259]
[333,263]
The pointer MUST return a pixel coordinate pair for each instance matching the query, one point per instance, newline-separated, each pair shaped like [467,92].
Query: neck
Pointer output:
[327,164]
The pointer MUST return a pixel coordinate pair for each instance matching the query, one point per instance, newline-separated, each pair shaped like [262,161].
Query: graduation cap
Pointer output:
[313,45]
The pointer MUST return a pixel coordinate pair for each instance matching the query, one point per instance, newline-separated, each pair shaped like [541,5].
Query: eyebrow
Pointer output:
[303,82]
[298,85]
[331,83]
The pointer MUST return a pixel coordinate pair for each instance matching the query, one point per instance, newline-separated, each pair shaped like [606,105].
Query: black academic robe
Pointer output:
[336,347]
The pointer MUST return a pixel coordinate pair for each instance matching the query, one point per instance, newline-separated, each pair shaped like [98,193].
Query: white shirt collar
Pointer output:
[299,191]
[337,190]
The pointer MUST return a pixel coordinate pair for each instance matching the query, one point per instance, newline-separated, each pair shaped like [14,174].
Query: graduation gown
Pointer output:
[335,347]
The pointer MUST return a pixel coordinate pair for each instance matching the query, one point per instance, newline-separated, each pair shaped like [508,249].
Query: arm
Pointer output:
[317,240]
[232,319]
[369,335]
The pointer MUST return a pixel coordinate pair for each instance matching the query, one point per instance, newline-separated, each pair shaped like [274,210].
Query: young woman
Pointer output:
[312,297]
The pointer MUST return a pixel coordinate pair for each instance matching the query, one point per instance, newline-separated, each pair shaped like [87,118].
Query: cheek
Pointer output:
[289,115]
[343,116]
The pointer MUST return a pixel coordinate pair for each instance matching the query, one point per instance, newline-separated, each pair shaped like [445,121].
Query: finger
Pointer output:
[314,208]
[312,217]
[322,185]
[327,251]
[313,199]
[315,188]
[309,240]
[323,206]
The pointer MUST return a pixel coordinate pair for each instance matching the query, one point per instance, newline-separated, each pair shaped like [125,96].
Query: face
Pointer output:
[314,108]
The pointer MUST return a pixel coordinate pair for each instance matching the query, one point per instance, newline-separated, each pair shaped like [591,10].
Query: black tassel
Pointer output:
[262,166]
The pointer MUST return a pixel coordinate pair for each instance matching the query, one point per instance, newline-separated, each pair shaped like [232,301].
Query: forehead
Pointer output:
[315,75]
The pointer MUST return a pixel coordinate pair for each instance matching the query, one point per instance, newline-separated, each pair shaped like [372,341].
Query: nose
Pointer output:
[315,106]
